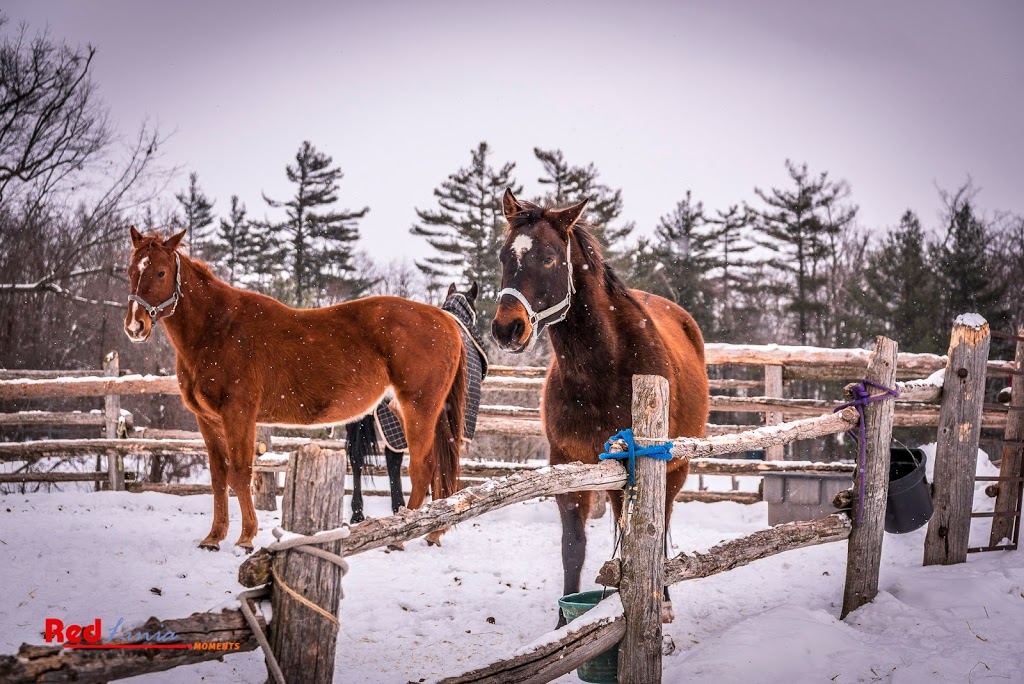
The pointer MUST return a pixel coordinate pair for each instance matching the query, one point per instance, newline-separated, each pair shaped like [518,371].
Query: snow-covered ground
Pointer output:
[493,586]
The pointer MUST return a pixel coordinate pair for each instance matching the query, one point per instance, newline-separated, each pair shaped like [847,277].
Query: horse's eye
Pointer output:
[550,261]
[160,274]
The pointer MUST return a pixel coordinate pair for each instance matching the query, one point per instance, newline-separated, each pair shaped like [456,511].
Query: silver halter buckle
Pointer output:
[537,323]
[155,311]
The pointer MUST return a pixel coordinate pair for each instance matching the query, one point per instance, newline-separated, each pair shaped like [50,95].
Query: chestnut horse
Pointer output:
[553,273]
[244,358]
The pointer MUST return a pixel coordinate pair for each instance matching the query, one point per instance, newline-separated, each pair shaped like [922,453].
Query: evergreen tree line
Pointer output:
[790,265]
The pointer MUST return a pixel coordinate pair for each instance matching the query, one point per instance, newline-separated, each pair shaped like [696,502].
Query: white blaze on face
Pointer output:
[520,246]
[135,325]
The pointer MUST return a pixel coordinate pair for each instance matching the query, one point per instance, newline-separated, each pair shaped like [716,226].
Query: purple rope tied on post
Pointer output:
[861,398]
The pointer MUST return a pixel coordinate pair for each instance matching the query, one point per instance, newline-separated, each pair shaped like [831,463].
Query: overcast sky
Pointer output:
[662,97]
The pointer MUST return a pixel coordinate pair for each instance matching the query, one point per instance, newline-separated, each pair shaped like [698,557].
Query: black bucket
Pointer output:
[909,505]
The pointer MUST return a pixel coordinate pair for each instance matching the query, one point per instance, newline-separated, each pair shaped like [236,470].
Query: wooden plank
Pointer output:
[773,388]
[111,414]
[48,448]
[304,642]
[956,453]
[15,374]
[87,387]
[52,418]
[1008,494]
[743,551]
[643,541]
[865,551]
[226,632]
[32,476]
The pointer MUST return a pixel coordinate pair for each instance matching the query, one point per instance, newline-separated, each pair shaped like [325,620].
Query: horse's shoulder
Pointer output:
[669,317]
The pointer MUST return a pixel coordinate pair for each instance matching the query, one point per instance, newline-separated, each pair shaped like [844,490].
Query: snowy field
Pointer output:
[428,612]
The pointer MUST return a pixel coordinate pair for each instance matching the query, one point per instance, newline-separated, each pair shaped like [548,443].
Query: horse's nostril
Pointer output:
[517,330]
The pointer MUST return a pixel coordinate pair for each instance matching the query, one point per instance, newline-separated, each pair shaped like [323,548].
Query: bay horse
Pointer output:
[361,441]
[602,334]
[243,358]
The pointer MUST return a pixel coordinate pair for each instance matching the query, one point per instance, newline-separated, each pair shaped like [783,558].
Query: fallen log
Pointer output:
[743,551]
[222,633]
[556,653]
[466,504]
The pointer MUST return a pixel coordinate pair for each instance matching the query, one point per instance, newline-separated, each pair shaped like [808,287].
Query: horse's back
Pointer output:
[684,345]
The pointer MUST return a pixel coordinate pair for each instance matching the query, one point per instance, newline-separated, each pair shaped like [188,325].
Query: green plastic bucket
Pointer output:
[604,668]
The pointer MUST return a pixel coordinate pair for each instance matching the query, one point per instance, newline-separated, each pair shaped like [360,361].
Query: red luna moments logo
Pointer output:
[91,635]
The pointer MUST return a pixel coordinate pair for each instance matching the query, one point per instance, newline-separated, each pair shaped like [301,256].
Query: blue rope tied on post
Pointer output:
[861,398]
[662,452]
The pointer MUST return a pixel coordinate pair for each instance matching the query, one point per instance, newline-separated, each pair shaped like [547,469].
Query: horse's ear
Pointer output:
[474,290]
[136,237]
[172,242]
[451,290]
[564,219]
[510,204]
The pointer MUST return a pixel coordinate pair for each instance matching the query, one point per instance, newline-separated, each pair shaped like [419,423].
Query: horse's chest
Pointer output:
[576,417]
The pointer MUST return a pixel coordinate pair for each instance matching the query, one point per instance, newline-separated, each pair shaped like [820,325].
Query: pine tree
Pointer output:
[965,262]
[803,226]
[899,296]
[571,184]
[467,228]
[198,215]
[728,248]
[682,249]
[235,243]
[316,240]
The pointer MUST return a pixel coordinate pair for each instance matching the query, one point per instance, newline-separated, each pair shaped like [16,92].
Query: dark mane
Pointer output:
[586,242]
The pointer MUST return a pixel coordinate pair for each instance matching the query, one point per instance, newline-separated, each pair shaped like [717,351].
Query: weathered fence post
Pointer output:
[265,485]
[304,641]
[956,454]
[773,388]
[111,415]
[1008,494]
[643,542]
[864,553]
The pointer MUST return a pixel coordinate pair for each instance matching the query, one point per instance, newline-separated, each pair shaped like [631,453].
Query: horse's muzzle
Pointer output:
[137,324]
[510,330]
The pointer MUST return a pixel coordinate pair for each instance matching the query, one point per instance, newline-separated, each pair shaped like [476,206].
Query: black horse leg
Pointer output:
[357,492]
[394,462]
[573,509]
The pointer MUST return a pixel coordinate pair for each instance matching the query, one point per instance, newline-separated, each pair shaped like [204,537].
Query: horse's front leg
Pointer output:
[240,436]
[573,508]
[215,448]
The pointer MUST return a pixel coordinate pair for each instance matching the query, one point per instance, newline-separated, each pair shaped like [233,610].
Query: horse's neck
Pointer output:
[588,337]
[202,296]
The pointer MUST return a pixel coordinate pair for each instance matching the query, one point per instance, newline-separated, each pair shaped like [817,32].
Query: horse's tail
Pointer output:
[361,442]
[449,431]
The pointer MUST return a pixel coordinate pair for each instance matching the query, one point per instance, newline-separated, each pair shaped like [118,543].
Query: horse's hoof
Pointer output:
[397,546]
[667,614]
[248,548]
[433,539]
[357,517]
[209,546]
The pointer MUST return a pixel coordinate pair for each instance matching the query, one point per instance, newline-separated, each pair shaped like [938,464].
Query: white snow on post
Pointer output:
[971,320]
